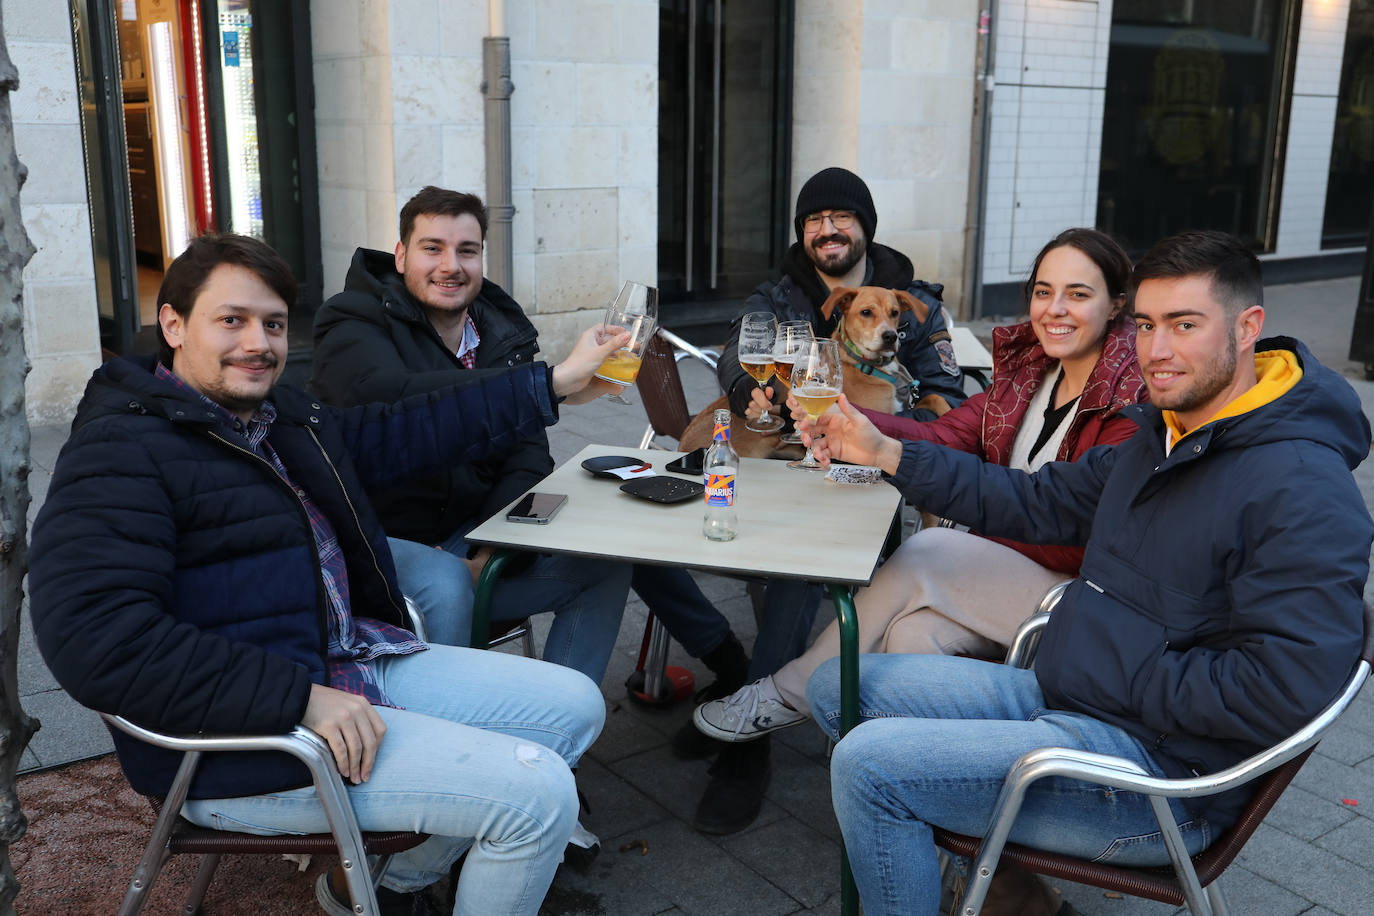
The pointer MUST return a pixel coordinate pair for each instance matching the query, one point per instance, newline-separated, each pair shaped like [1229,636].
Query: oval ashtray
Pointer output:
[604,465]
[664,489]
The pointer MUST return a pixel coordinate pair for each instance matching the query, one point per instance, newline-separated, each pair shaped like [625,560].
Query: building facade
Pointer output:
[665,141]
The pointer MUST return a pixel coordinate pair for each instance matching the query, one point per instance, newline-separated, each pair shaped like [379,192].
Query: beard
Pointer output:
[1210,380]
[837,265]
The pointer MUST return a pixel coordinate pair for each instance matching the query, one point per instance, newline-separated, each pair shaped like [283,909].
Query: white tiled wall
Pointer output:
[1046,133]
[1307,162]
[61,331]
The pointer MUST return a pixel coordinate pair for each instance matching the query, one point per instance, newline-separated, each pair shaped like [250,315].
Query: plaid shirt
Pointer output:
[353,641]
[467,351]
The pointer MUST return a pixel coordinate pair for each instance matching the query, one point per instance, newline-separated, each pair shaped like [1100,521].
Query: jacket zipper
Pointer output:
[314,554]
[357,523]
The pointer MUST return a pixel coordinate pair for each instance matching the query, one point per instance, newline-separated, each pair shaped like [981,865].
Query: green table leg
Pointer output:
[849,716]
[481,603]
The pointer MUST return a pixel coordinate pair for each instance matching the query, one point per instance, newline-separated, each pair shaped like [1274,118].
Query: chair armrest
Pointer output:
[1027,639]
[301,743]
[709,357]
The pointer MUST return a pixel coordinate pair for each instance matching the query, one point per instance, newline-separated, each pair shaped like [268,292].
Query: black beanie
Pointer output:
[836,189]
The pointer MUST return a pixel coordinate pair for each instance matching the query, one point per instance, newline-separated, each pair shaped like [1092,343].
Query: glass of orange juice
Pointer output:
[635,310]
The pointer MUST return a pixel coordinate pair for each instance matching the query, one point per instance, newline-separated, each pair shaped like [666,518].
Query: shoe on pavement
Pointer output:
[734,796]
[389,903]
[747,714]
[688,743]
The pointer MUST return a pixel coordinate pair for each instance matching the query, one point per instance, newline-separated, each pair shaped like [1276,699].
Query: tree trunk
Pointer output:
[16,728]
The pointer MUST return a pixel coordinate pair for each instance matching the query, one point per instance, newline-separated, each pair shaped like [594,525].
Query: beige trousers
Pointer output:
[943,592]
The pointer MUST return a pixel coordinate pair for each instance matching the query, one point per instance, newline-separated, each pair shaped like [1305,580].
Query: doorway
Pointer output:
[725,115]
[189,121]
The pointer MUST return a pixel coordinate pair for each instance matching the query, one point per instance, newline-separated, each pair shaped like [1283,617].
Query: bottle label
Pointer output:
[721,431]
[720,490]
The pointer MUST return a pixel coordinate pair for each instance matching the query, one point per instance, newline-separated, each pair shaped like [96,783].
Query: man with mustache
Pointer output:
[207,560]
[835,221]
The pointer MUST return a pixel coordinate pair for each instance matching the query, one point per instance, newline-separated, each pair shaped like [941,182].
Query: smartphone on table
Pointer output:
[692,463]
[536,508]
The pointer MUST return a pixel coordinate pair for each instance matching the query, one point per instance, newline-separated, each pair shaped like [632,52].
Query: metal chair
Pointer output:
[1192,880]
[173,835]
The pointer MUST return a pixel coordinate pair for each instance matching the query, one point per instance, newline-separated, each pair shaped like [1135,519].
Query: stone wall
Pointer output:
[887,91]
[61,332]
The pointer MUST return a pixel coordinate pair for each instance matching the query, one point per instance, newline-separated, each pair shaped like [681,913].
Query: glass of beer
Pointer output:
[817,379]
[758,332]
[634,310]
[793,337]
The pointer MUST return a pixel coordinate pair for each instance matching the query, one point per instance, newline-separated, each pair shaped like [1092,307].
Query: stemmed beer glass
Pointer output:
[757,333]
[793,337]
[817,379]
[635,310]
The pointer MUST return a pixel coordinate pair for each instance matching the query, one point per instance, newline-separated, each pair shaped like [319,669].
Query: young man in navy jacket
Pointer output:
[1219,607]
[207,560]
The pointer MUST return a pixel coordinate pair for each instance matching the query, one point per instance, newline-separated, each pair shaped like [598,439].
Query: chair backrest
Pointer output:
[660,385]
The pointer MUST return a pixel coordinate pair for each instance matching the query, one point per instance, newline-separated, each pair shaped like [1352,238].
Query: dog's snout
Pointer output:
[889,337]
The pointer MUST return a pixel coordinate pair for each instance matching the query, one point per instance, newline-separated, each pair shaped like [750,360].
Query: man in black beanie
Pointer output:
[835,222]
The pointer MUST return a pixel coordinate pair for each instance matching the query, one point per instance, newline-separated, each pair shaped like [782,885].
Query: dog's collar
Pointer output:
[901,379]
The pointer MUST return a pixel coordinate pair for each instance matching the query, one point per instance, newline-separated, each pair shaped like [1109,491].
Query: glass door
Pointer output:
[1195,112]
[725,117]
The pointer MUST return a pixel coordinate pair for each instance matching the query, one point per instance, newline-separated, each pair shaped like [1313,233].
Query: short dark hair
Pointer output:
[1237,281]
[187,274]
[1098,247]
[432,201]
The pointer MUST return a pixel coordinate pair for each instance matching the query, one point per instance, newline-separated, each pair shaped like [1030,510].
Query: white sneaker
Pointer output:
[749,713]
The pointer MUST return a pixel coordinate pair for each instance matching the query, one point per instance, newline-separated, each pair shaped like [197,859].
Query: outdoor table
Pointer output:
[776,505]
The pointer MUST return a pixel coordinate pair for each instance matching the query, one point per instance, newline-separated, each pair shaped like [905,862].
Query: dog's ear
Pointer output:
[839,301]
[909,303]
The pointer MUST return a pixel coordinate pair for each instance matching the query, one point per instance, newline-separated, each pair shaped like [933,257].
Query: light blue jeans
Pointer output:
[478,757]
[937,737]
[586,596]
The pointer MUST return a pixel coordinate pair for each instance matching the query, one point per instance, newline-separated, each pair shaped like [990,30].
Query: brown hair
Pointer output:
[432,201]
[187,275]
[1237,282]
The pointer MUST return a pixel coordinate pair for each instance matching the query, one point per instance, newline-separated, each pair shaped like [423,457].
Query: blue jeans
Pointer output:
[587,598]
[937,737]
[478,757]
[789,609]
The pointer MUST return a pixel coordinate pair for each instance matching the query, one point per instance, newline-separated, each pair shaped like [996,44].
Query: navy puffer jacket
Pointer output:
[174,578]
[1220,603]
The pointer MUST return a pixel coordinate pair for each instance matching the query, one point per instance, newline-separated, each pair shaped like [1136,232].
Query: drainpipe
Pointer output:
[497,88]
[978,181]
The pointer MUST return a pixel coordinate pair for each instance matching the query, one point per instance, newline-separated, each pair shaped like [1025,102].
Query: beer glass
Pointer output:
[758,332]
[634,310]
[793,337]
[817,379]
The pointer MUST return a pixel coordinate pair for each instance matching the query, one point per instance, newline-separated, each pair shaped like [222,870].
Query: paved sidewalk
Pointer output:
[1314,855]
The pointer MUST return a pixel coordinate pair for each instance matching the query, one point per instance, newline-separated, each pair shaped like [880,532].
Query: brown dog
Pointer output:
[873,378]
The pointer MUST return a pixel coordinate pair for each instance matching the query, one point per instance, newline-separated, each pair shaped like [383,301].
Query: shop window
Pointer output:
[1350,185]
[1195,111]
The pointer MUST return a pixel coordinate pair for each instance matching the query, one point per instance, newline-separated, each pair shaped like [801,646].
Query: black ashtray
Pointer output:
[663,489]
[602,465]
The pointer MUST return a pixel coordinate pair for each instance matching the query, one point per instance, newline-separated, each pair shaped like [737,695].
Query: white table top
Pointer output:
[776,505]
[969,351]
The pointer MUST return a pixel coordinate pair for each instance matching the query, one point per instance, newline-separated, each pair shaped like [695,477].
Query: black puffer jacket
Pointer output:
[1219,607]
[373,343]
[799,295]
[174,576]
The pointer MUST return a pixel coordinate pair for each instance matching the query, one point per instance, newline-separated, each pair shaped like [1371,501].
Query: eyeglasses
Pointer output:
[840,219]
